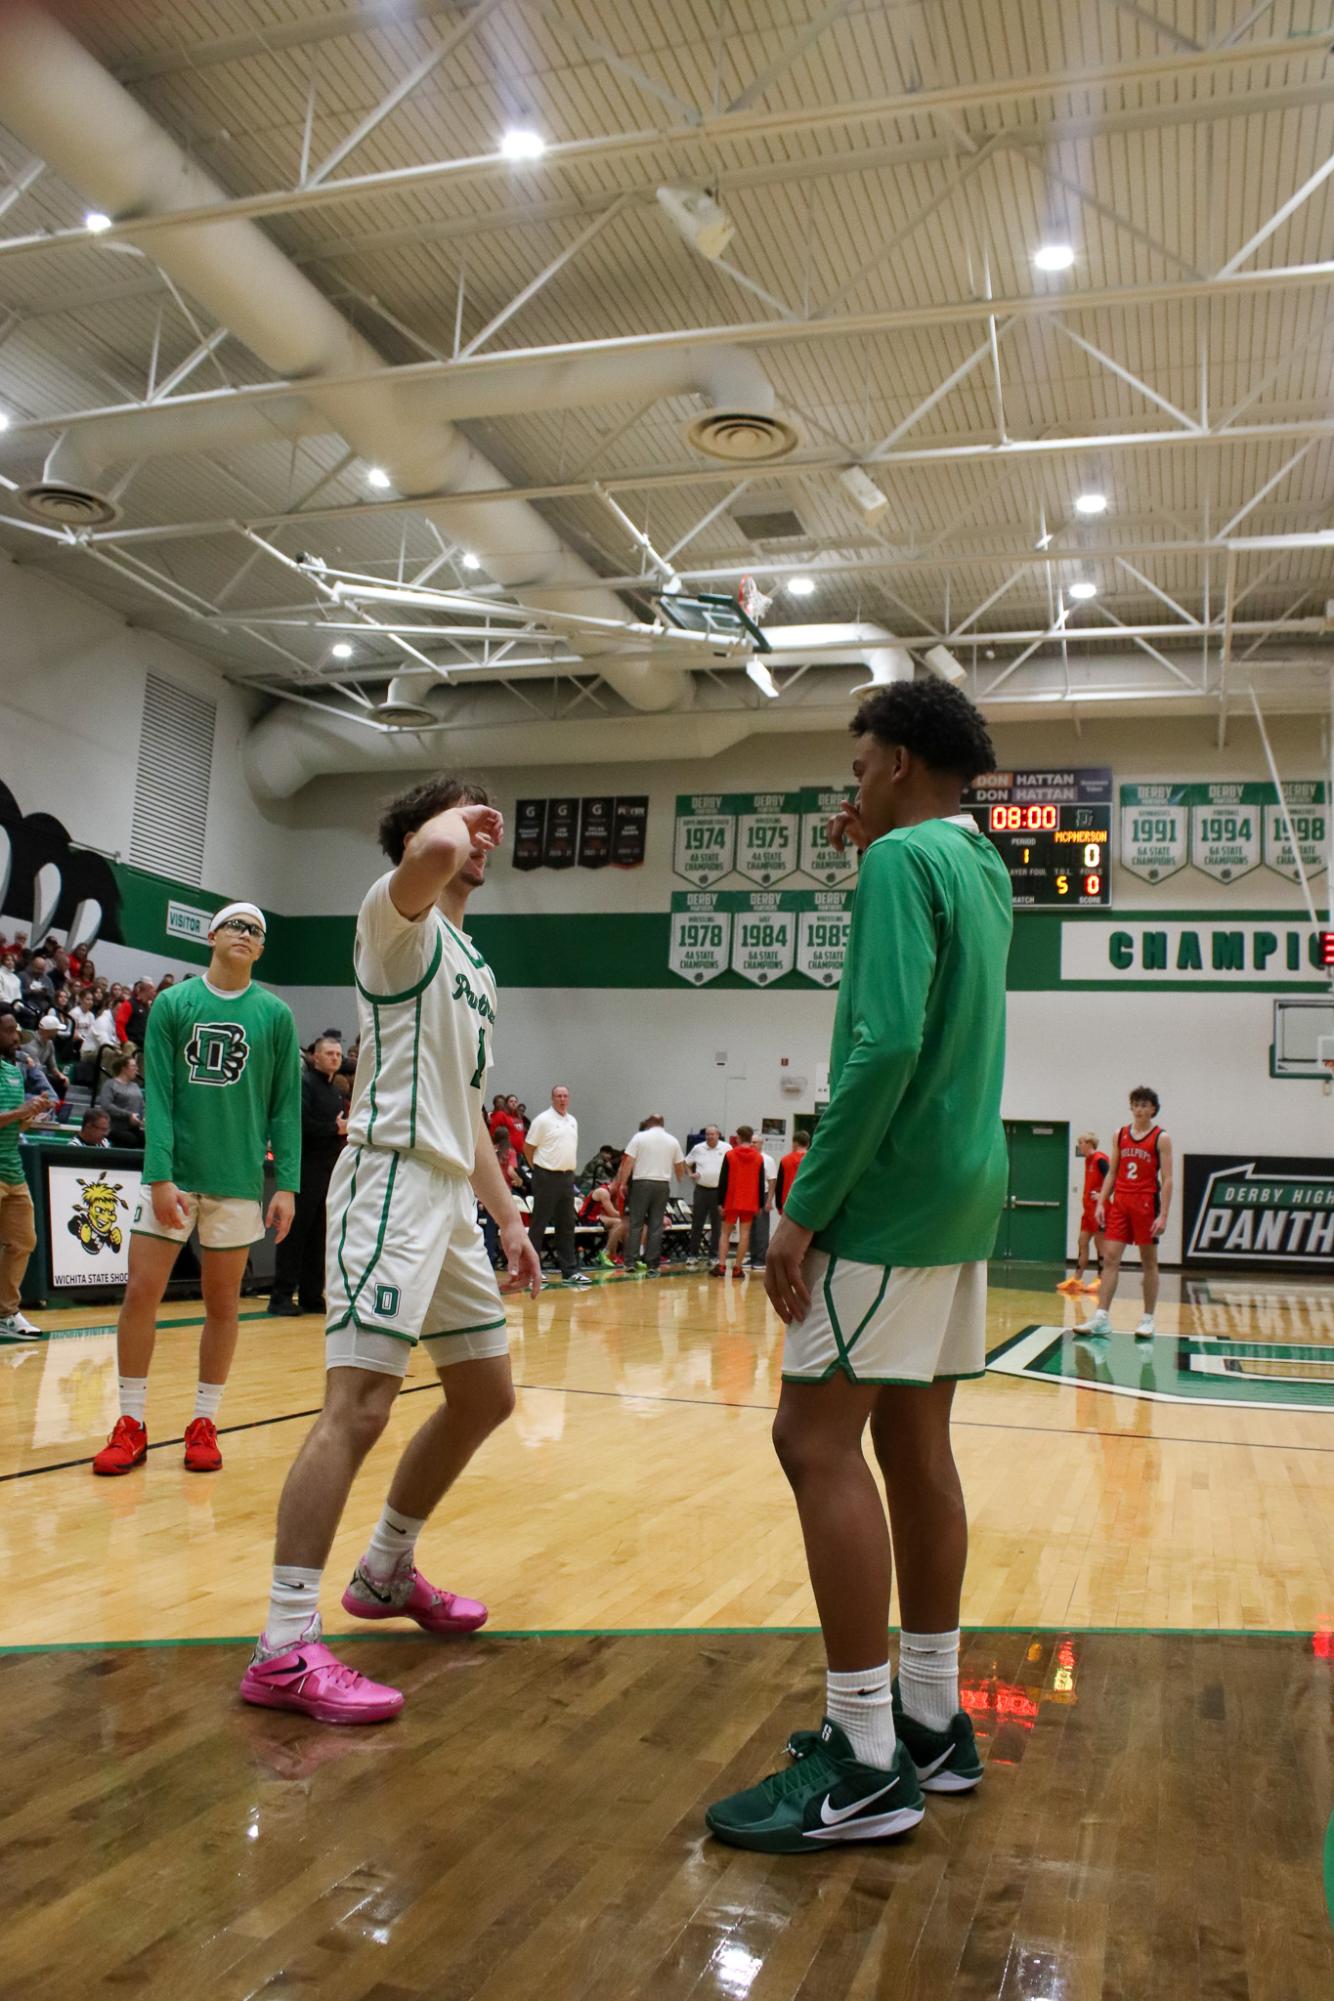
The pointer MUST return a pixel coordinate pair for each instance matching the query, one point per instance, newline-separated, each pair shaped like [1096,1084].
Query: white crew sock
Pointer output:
[929,1677]
[293,1599]
[395,1536]
[861,1705]
[133,1396]
[208,1399]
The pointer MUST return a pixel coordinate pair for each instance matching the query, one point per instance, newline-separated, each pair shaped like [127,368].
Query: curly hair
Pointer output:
[403,816]
[934,721]
[1147,1091]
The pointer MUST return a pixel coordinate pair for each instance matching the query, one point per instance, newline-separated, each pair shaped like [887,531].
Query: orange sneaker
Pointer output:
[201,1446]
[1070,1285]
[127,1447]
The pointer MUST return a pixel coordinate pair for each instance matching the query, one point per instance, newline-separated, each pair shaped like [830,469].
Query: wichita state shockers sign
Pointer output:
[1261,1211]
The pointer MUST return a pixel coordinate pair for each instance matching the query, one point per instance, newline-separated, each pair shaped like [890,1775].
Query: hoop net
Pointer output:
[752,599]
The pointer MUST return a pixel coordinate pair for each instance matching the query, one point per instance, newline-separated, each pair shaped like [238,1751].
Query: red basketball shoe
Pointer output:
[126,1448]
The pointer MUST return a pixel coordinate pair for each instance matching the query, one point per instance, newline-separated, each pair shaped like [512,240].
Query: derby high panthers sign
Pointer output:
[1263,1211]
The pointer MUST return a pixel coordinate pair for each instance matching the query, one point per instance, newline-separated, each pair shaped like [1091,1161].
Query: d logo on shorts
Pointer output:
[386,1302]
[217,1052]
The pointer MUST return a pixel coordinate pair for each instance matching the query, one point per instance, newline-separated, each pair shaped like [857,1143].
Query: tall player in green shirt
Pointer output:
[222,1083]
[878,1269]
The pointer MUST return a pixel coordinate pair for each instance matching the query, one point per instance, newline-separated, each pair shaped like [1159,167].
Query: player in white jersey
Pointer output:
[405,1258]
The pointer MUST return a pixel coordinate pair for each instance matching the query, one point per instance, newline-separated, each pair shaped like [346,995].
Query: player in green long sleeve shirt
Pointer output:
[878,1269]
[222,1084]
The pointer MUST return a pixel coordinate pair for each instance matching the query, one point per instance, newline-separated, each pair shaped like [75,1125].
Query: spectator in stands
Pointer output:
[38,987]
[518,1120]
[653,1157]
[11,986]
[551,1148]
[167,980]
[94,1127]
[515,1175]
[18,1232]
[298,1265]
[602,1167]
[136,1018]
[787,1168]
[67,1042]
[704,1162]
[122,1098]
[99,1035]
[45,1052]
[744,1194]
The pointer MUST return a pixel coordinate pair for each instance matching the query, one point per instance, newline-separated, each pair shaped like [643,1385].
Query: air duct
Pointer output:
[59,101]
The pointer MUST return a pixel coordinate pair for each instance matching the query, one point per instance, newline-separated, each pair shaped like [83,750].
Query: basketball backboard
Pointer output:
[711,613]
[1302,1024]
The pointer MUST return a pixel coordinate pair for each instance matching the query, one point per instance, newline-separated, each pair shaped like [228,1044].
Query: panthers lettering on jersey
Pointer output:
[1137,1167]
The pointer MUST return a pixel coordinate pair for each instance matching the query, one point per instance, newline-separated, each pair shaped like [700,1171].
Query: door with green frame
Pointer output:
[1032,1226]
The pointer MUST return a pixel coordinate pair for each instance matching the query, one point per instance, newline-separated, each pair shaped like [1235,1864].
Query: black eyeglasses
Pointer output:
[239,925]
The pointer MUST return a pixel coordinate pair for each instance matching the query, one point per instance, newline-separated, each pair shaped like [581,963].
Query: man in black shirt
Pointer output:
[298,1266]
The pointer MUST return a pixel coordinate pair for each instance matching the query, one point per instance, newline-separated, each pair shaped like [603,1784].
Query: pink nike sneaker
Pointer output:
[314,1681]
[407,1595]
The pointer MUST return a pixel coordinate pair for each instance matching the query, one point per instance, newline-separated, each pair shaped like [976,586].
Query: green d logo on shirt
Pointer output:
[217,1052]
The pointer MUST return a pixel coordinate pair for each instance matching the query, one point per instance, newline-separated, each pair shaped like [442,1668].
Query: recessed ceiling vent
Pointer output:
[773,524]
[69,506]
[739,437]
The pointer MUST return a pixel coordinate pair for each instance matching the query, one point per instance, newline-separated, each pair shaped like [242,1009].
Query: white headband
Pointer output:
[237,910]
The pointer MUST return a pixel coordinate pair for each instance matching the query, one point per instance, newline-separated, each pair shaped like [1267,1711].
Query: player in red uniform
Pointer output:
[1139,1178]
[744,1193]
[1095,1174]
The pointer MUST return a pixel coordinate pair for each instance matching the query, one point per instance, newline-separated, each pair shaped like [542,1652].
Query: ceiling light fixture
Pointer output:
[944,665]
[377,476]
[800,587]
[700,217]
[342,651]
[1083,591]
[1054,256]
[521,143]
[1091,503]
[469,561]
[95,222]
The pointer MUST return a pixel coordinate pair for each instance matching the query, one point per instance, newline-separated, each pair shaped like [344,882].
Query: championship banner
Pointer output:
[530,826]
[1225,822]
[764,936]
[701,936]
[818,858]
[595,832]
[558,848]
[704,849]
[767,837]
[1307,819]
[88,1219]
[1258,1211]
[1155,827]
[822,937]
[629,831]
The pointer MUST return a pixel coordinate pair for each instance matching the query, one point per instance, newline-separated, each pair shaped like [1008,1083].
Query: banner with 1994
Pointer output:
[1225,829]
[760,936]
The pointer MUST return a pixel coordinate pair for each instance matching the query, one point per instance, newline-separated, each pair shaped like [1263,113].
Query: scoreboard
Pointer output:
[1052,829]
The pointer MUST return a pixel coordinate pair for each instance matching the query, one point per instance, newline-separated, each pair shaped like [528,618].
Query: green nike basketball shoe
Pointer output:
[946,1760]
[825,1795]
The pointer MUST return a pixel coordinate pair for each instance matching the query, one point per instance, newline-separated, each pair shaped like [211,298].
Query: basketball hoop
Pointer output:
[752,600]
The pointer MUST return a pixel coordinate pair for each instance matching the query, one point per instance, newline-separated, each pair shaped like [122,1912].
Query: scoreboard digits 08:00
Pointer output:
[1052,829]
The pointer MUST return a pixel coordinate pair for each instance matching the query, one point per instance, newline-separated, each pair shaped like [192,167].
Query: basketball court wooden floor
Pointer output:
[1150,1669]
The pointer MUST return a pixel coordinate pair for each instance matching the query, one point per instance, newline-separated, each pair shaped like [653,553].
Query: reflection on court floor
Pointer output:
[1256,1374]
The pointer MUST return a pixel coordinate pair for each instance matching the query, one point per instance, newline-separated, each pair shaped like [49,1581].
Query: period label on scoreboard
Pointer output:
[767,837]
[1225,828]
[1052,829]
[822,937]
[701,936]
[1155,829]
[764,936]
[819,858]
[1300,826]
[705,846]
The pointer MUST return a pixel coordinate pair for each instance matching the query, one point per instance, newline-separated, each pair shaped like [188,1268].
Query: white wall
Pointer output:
[72,679]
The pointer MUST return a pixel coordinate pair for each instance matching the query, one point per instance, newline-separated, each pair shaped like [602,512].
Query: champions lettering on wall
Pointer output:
[1137,949]
[1265,1211]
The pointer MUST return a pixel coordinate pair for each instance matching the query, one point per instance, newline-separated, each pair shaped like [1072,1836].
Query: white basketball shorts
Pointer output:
[888,1323]
[224,1222]
[405,1262]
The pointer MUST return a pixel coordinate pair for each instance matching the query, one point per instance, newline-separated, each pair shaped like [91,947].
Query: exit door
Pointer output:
[1033,1223]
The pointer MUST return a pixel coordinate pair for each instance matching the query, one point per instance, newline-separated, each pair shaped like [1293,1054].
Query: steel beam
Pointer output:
[722,129]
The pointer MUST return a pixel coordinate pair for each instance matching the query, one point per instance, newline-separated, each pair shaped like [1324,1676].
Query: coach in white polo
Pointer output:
[551,1148]
[653,1157]
[705,1165]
